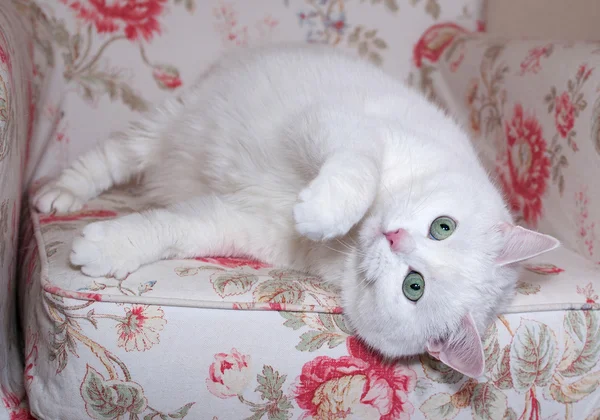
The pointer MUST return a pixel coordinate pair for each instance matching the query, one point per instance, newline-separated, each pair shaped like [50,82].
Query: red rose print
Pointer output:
[276,306]
[15,406]
[360,385]
[472,91]
[544,269]
[167,77]
[136,18]
[21,414]
[527,165]
[94,214]
[30,358]
[55,290]
[4,57]
[90,296]
[584,72]
[434,42]
[532,63]
[229,374]
[565,114]
[588,292]
[234,262]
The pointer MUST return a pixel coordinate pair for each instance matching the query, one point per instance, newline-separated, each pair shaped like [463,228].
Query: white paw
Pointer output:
[53,197]
[103,250]
[320,215]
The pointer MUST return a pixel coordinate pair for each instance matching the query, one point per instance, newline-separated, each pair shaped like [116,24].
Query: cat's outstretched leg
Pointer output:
[205,226]
[115,161]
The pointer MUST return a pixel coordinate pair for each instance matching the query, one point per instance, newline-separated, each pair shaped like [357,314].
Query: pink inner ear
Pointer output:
[462,351]
[521,244]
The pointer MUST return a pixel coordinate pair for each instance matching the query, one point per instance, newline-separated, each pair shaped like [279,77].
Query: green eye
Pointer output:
[442,228]
[413,286]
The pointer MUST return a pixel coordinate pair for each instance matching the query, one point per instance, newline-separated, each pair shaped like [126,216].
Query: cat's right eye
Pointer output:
[442,228]
[413,286]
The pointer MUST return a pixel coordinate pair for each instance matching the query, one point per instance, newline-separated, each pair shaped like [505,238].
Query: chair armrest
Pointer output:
[16,117]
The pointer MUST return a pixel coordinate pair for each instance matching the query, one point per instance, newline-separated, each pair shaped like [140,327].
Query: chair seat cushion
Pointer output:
[231,338]
[548,282]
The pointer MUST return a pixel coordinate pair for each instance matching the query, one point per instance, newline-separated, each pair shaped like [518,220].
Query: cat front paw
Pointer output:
[319,218]
[103,250]
[55,198]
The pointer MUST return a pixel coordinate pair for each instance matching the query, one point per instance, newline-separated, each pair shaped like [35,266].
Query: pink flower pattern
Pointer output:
[525,171]
[229,374]
[532,63]
[585,225]
[565,114]
[16,406]
[233,33]
[588,292]
[360,385]
[140,328]
[136,19]
[234,262]
[368,386]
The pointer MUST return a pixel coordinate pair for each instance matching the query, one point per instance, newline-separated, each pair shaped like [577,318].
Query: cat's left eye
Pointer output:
[442,228]
[413,286]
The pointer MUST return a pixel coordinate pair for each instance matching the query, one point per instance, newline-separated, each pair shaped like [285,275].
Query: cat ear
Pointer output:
[521,244]
[462,351]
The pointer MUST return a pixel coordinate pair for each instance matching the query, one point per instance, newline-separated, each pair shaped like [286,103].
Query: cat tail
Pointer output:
[121,158]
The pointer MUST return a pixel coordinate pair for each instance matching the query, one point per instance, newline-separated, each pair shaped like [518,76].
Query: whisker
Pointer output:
[394,199]
[412,179]
[351,248]
[338,251]
[424,200]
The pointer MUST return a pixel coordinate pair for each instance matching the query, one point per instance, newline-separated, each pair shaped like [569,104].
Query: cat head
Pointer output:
[436,260]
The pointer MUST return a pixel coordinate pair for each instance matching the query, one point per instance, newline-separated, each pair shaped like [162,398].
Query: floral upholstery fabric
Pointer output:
[235,338]
[546,284]
[533,108]
[110,60]
[16,101]
[231,339]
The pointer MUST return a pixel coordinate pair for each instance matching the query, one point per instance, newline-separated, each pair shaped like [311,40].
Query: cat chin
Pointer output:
[393,348]
[376,330]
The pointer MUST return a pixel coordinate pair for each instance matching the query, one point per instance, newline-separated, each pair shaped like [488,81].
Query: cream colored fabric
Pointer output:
[16,109]
[99,63]
[549,282]
[222,338]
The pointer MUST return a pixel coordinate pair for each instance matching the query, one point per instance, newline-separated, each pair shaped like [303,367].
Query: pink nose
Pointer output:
[400,241]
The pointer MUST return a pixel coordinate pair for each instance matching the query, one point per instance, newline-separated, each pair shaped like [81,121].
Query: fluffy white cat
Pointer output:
[304,157]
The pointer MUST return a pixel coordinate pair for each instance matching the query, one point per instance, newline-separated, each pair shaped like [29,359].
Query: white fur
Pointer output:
[278,147]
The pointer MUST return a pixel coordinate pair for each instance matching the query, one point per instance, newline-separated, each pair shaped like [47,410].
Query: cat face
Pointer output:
[430,270]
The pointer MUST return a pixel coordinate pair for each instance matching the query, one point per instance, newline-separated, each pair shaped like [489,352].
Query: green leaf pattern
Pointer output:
[582,343]
[533,355]
[439,407]
[229,284]
[110,399]
[488,402]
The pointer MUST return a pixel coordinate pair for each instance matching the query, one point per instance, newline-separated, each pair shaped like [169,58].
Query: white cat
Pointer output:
[304,157]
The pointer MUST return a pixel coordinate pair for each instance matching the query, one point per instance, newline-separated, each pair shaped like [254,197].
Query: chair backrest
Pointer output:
[101,65]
